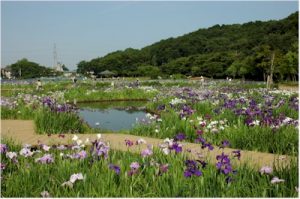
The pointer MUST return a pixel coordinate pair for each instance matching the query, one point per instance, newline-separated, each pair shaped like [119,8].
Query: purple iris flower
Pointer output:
[80,155]
[187,174]
[128,143]
[200,139]
[223,158]
[99,149]
[252,103]
[224,143]
[208,145]
[199,132]
[203,163]
[227,169]
[177,147]
[223,164]
[135,165]
[191,169]
[3,148]
[2,166]
[164,168]
[248,121]
[46,159]
[115,168]
[179,137]
[237,154]
[147,152]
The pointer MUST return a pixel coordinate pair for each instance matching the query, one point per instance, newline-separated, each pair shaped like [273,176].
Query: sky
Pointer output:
[87,30]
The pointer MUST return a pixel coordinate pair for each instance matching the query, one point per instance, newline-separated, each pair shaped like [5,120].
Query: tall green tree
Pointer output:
[24,69]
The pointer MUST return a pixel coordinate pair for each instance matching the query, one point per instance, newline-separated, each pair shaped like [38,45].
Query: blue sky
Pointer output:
[86,30]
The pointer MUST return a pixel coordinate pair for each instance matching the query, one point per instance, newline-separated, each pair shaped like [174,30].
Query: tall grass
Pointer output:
[58,122]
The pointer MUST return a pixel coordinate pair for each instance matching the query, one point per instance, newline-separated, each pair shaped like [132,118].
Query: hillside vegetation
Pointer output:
[238,50]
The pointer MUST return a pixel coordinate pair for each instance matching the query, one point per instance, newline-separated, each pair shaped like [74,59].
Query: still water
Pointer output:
[113,116]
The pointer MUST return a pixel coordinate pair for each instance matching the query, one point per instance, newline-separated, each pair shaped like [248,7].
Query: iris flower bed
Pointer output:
[247,115]
[213,114]
[254,119]
[76,170]
[49,115]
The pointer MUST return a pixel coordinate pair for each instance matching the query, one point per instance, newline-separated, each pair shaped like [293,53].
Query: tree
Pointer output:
[289,65]
[64,68]
[24,69]
[233,69]
[151,71]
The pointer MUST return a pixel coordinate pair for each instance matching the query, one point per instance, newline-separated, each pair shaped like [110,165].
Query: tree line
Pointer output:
[25,69]
[238,50]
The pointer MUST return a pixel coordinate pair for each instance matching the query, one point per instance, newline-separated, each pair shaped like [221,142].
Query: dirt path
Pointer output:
[289,88]
[22,131]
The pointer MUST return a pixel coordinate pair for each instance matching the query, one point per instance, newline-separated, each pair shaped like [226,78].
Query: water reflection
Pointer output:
[114,116]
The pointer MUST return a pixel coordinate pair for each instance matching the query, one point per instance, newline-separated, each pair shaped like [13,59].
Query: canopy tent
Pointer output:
[106,73]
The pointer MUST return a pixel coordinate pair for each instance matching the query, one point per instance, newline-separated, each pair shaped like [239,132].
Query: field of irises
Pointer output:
[240,115]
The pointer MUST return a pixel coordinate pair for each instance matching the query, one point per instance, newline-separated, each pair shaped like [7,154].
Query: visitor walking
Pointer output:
[74,81]
[38,85]
[137,82]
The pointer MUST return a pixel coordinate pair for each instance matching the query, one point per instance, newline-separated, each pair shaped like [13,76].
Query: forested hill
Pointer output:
[238,50]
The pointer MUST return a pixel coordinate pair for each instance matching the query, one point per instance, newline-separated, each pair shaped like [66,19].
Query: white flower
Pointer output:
[166,151]
[75,137]
[61,154]
[141,141]
[148,115]
[214,130]
[287,120]
[76,176]
[79,142]
[61,147]
[266,170]
[46,148]
[156,130]
[11,155]
[99,136]
[276,180]
[202,123]
[177,101]
[78,147]
[45,194]
[169,141]
[26,152]
[68,184]
[87,140]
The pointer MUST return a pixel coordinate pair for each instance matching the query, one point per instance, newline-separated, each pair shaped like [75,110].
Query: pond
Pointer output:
[115,116]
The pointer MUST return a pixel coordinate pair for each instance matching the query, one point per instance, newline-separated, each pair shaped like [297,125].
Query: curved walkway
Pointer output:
[22,131]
